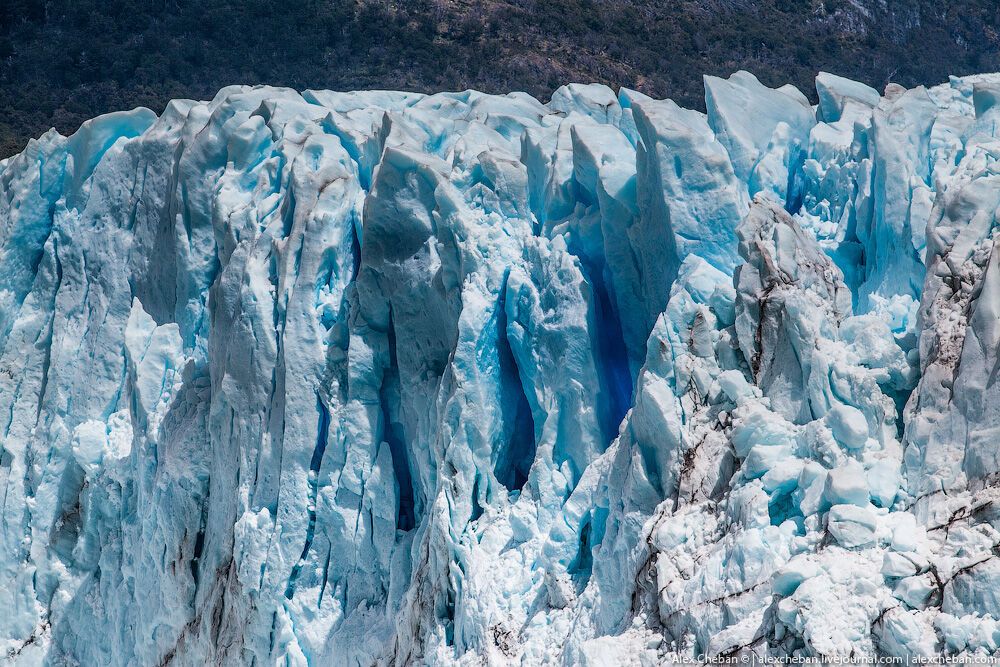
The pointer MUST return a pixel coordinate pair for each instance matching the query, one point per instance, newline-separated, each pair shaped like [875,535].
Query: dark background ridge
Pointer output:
[64,61]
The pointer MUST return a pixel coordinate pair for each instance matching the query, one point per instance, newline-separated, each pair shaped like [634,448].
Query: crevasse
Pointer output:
[385,378]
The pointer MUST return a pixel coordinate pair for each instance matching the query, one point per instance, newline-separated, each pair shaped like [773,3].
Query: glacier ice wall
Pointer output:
[386,378]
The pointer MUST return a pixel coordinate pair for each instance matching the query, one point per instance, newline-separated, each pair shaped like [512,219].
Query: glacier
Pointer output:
[386,378]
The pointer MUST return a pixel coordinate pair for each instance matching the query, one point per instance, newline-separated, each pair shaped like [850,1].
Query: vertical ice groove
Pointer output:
[386,378]
[516,455]
[322,436]
[393,435]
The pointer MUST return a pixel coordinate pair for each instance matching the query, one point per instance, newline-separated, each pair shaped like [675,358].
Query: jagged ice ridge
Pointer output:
[384,378]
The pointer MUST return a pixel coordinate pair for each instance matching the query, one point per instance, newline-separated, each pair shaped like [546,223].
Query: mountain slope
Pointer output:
[63,62]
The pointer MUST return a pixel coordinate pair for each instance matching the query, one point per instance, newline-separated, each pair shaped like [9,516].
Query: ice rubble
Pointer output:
[386,378]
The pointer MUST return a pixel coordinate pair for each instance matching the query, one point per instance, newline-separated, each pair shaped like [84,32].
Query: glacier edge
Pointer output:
[388,378]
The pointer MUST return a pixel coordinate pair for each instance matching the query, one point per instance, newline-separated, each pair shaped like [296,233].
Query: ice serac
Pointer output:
[389,378]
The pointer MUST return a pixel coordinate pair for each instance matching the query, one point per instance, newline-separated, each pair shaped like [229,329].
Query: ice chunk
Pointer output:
[915,591]
[735,385]
[852,526]
[897,565]
[847,485]
[905,535]
[835,92]
[883,482]
[797,570]
[849,426]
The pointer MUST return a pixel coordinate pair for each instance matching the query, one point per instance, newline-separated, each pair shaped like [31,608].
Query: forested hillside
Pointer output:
[62,61]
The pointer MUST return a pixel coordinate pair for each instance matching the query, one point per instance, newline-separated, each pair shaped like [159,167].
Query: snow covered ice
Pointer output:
[385,378]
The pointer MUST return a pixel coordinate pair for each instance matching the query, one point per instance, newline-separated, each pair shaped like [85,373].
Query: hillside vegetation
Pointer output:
[63,61]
